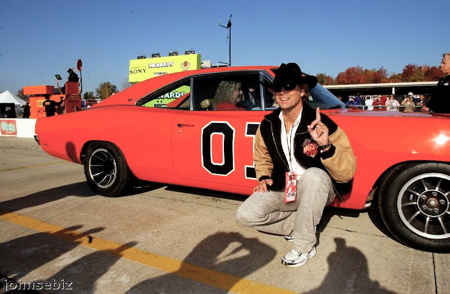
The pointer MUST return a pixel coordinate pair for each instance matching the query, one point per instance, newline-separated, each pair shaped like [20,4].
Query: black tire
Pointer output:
[414,204]
[106,170]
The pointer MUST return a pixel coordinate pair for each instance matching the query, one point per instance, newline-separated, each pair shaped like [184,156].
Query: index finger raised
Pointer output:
[318,113]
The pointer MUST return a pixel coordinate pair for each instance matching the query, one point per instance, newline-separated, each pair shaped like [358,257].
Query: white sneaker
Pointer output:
[296,259]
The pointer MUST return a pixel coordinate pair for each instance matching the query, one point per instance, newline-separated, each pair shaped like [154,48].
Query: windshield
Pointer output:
[321,97]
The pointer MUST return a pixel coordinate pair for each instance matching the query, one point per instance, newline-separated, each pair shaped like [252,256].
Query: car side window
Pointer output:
[227,92]
[175,96]
[269,102]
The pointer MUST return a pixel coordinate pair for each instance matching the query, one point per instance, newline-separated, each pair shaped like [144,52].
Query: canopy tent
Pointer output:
[7,97]
[7,100]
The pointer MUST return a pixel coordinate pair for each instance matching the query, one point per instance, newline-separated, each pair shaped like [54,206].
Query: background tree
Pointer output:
[88,95]
[432,73]
[105,90]
[352,75]
[410,73]
[324,79]
[378,76]
[21,95]
[395,78]
[423,73]
[359,75]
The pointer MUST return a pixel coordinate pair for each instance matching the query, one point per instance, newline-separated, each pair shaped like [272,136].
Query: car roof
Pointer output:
[130,95]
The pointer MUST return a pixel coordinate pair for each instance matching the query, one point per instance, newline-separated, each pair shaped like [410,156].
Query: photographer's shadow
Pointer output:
[43,246]
[45,196]
[215,265]
[348,273]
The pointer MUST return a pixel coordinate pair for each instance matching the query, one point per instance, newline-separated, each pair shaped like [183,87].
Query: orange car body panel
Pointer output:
[177,147]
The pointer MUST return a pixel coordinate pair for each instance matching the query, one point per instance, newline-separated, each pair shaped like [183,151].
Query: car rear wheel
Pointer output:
[414,203]
[106,170]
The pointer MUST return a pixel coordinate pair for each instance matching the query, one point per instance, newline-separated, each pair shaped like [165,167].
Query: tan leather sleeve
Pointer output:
[261,157]
[342,165]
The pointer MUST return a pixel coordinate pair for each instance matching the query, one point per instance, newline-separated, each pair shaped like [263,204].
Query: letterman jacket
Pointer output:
[271,162]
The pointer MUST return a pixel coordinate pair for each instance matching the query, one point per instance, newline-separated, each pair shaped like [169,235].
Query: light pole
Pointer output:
[228,26]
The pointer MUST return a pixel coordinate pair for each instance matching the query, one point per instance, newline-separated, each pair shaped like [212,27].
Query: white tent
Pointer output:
[7,97]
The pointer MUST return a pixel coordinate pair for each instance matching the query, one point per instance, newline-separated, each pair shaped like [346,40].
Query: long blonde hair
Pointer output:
[225,91]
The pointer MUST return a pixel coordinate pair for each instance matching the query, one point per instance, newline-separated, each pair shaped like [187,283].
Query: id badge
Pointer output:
[290,193]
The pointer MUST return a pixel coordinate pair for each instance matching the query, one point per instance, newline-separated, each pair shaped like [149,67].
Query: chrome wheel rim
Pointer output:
[102,168]
[424,207]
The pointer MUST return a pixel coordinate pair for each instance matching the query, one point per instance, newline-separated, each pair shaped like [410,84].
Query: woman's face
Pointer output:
[237,94]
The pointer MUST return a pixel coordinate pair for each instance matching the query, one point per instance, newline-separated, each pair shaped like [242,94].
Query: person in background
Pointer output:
[50,105]
[408,103]
[422,102]
[359,100]
[392,104]
[352,102]
[228,95]
[440,99]
[26,110]
[383,102]
[250,99]
[252,96]
[413,98]
[73,77]
[369,102]
[299,154]
[377,103]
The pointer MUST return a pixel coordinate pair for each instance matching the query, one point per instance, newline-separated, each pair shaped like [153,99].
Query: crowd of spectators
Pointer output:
[403,103]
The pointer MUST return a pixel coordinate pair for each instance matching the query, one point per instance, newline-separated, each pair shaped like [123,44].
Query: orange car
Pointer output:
[164,130]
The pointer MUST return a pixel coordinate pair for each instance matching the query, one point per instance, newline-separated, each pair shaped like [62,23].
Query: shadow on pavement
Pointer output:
[82,274]
[375,217]
[331,212]
[228,253]
[25,254]
[348,272]
[80,189]
[46,196]
[206,193]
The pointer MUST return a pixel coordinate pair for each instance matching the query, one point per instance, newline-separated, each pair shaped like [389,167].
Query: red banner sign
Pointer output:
[8,127]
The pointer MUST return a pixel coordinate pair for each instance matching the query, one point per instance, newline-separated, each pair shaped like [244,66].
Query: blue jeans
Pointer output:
[267,212]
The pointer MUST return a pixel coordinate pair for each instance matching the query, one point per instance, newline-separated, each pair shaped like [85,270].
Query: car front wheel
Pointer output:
[414,205]
[105,169]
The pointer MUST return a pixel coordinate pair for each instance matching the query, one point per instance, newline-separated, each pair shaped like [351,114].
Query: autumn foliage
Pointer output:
[359,75]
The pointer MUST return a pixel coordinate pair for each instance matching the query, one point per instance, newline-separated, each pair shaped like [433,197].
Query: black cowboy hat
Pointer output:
[289,75]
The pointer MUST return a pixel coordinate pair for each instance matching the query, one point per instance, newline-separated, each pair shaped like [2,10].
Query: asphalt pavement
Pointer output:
[57,236]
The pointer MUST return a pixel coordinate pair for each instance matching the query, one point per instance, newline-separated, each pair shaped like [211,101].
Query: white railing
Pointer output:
[400,108]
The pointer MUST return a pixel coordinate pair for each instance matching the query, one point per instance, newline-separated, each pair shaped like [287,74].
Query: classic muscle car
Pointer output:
[164,130]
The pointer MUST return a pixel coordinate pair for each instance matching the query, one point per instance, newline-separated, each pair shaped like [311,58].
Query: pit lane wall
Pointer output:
[17,127]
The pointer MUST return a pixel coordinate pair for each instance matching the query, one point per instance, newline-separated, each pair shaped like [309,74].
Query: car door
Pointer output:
[214,149]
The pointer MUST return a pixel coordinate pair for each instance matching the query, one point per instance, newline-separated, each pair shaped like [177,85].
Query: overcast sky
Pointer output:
[40,38]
